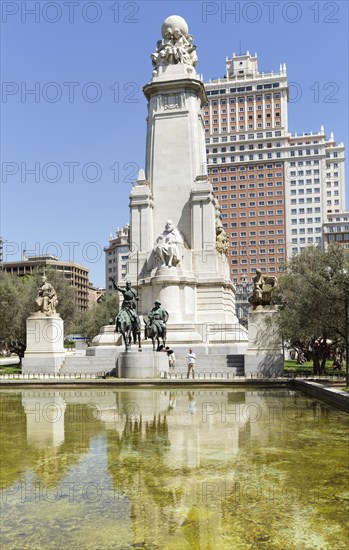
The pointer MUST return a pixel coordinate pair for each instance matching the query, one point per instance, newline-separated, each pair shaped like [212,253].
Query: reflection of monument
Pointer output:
[45,351]
[182,258]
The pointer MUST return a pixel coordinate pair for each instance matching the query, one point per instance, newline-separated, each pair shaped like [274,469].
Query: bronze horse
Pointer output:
[128,329]
[152,331]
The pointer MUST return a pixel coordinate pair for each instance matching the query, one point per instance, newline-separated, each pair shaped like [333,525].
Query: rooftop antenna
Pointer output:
[240,46]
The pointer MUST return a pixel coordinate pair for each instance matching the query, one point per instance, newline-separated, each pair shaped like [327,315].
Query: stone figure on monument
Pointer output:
[262,291]
[176,45]
[46,300]
[168,246]
[222,243]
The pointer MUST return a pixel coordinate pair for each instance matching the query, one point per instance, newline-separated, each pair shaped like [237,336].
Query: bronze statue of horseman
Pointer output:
[127,322]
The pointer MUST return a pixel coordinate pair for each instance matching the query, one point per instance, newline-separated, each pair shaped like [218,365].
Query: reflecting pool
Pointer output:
[172,469]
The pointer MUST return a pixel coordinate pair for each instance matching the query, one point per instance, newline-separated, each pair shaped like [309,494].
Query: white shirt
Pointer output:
[191,358]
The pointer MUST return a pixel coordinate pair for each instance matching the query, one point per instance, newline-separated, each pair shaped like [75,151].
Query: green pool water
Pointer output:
[158,469]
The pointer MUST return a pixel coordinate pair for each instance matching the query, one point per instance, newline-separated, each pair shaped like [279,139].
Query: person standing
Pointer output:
[191,360]
[171,357]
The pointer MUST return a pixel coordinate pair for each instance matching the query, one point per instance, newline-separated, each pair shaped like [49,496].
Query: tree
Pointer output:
[91,321]
[17,302]
[313,294]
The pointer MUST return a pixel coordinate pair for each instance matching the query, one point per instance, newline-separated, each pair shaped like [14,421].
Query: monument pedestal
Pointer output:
[45,351]
[145,364]
[264,355]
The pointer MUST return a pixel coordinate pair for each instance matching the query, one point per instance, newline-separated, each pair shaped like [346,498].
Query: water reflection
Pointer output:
[172,469]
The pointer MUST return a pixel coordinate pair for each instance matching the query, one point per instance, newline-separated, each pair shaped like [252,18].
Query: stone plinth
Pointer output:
[45,351]
[146,364]
[107,337]
[264,355]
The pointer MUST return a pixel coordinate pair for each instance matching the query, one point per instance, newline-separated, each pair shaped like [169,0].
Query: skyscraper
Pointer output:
[275,189]
[247,137]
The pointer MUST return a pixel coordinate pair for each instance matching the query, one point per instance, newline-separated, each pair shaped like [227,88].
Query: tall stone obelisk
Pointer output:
[175,224]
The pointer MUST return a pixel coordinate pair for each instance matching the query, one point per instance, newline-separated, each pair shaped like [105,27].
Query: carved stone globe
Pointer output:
[174,22]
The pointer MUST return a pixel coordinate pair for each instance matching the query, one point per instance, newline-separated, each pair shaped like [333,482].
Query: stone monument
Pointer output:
[181,243]
[45,351]
[179,248]
[264,355]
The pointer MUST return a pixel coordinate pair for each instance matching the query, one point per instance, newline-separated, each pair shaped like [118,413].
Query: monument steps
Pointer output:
[205,363]
[78,364]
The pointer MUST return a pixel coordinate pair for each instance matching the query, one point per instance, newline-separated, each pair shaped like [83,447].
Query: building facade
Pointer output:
[75,274]
[246,131]
[116,257]
[275,189]
[314,174]
[336,229]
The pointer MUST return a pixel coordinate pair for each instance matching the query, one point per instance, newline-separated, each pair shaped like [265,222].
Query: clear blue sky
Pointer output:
[103,125]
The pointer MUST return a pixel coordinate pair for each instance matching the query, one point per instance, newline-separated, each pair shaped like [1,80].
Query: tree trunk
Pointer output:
[316,361]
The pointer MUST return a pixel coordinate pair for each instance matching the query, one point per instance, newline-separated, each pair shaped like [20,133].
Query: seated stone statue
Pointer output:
[263,288]
[46,300]
[167,248]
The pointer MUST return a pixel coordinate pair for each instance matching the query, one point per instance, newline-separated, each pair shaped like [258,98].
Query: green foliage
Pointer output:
[17,302]
[313,295]
[91,321]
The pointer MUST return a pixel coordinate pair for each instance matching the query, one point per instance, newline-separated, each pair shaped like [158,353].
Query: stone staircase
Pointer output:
[210,363]
[233,364]
[87,365]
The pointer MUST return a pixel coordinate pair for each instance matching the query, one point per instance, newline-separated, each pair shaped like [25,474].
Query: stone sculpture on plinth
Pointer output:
[46,300]
[45,351]
[264,352]
[176,45]
[263,289]
[168,246]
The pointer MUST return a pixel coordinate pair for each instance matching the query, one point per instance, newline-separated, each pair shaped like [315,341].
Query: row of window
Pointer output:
[243,234]
[241,118]
[253,177]
[251,186]
[254,251]
[234,148]
[339,237]
[242,137]
[243,158]
[302,240]
[244,261]
[244,271]
[251,167]
[242,127]
[252,196]
[261,223]
[261,233]
[242,110]
[249,99]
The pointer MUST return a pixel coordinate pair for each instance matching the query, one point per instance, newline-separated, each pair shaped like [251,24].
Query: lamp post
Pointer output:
[341,278]
[344,277]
